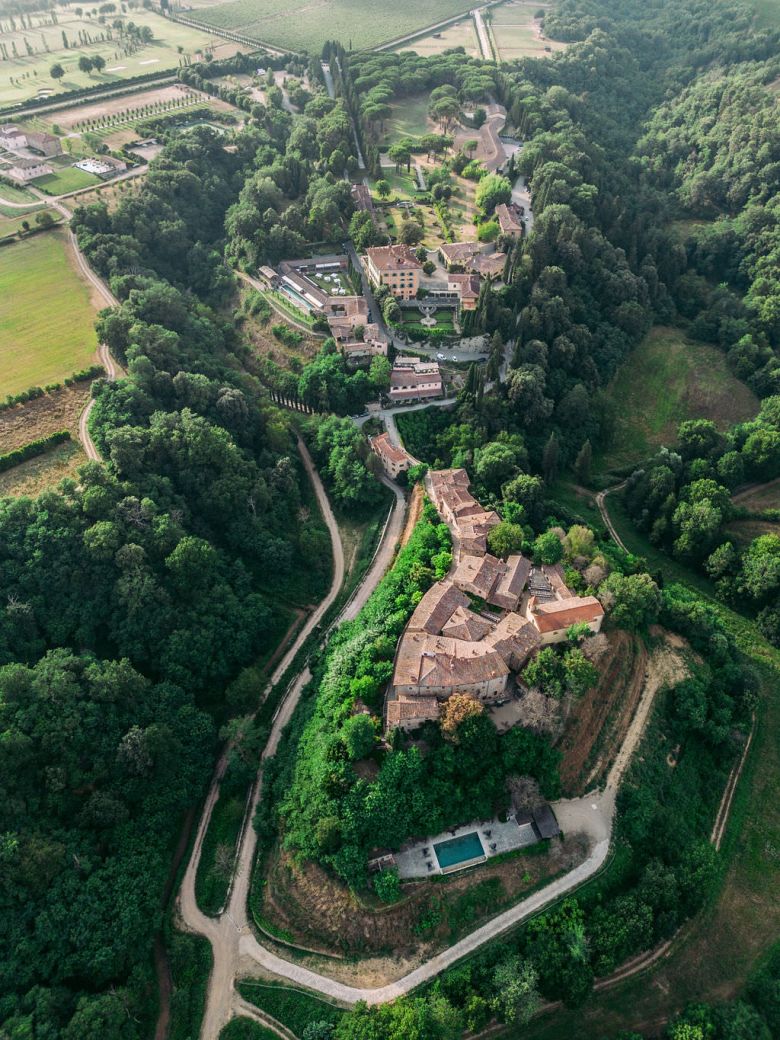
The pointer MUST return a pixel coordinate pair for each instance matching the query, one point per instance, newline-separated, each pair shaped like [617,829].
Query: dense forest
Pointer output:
[134,595]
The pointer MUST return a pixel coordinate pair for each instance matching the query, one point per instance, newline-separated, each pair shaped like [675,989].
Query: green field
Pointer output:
[46,321]
[359,23]
[11,220]
[666,380]
[409,119]
[66,178]
[30,72]
[517,33]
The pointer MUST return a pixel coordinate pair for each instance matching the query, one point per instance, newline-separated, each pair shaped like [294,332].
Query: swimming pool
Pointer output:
[462,849]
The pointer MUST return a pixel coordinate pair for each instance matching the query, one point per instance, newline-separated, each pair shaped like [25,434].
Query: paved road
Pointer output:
[328,79]
[484,41]
[387,415]
[228,932]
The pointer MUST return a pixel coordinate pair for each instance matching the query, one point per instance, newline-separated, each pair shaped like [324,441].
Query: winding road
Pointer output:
[601,502]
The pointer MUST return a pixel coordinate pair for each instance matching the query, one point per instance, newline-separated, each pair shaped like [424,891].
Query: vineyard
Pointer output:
[360,24]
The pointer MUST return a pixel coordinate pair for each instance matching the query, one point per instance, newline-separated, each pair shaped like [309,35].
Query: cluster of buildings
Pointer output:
[317,286]
[473,630]
[27,152]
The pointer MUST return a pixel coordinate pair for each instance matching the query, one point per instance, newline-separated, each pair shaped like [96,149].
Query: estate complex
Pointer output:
[471,631]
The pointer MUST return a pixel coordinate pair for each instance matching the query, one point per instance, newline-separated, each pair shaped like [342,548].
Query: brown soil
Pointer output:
[744,531]
[316,911]
[57,411]
[759,496]
[44,471]
[598,721]
[413,514]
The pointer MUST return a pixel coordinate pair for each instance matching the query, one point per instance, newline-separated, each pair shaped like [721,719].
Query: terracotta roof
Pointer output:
[436,607]
[466,284]
[561,613]
[509,219]
[406,709]
[393,258]
[459,252]
[478,574]
[465,624]
[490,264]
[511,583]
[555,576]
[438,662]
[515,638]
[385,449]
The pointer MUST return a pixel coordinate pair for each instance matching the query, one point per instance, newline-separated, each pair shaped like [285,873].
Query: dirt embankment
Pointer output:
[314,910]
[598,721]
[413,514]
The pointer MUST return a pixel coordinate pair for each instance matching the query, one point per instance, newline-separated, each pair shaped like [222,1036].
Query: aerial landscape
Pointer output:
[390,520]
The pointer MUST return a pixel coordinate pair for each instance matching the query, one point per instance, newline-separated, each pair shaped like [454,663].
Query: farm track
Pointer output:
[602,506]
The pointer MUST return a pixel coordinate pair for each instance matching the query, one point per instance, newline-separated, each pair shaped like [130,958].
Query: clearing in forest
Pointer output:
[357,23]
[47,319]
[666,380]
[518,33]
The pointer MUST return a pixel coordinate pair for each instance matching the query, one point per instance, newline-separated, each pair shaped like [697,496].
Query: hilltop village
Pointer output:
[471,631]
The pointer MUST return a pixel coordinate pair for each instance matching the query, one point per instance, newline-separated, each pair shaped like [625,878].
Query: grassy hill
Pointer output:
[666,380]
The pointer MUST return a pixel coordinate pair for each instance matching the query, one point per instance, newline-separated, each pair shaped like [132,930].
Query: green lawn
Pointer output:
[409,119]
[30,73]
[666,380]
[66,178]
[357,23]
[11,193]
[46,321]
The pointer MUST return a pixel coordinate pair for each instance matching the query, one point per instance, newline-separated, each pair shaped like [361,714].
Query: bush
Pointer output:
[29,451]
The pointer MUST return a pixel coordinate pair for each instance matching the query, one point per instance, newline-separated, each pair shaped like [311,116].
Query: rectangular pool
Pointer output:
[462,849]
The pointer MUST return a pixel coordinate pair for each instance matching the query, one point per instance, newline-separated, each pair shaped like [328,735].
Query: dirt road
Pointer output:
[601,503]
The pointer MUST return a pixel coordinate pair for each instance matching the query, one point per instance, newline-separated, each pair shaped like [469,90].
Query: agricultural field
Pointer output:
[46,323]
[26,75]
[12,221]
[517,33]
[358,24]
[460,34]
[666,380]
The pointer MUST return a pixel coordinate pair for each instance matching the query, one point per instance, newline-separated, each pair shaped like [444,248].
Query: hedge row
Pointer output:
[39,391]
[29,451]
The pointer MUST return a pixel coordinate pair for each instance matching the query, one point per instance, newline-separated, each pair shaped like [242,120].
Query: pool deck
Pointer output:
[419,860]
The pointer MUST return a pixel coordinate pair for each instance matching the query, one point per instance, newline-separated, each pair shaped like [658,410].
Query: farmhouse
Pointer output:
[394,460]
[396,267]
[437,666]
[553,618]
[24,170]
[43,143]
[415,380]
[509,219]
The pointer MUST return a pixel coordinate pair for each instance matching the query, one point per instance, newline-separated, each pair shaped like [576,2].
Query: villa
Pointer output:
[413,379]
[24,170]
[510,220]
[394,460]
[396,267]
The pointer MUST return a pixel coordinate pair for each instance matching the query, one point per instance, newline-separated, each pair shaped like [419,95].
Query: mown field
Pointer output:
[46,321]
[30,72]
[360,23]
[517,33]
[666,380]
[461,34]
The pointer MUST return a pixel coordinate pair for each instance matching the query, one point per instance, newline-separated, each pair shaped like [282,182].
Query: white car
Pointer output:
[440,357]
[454,357]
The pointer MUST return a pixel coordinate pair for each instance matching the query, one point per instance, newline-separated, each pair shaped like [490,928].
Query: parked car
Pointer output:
[454,357]
[440,357]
